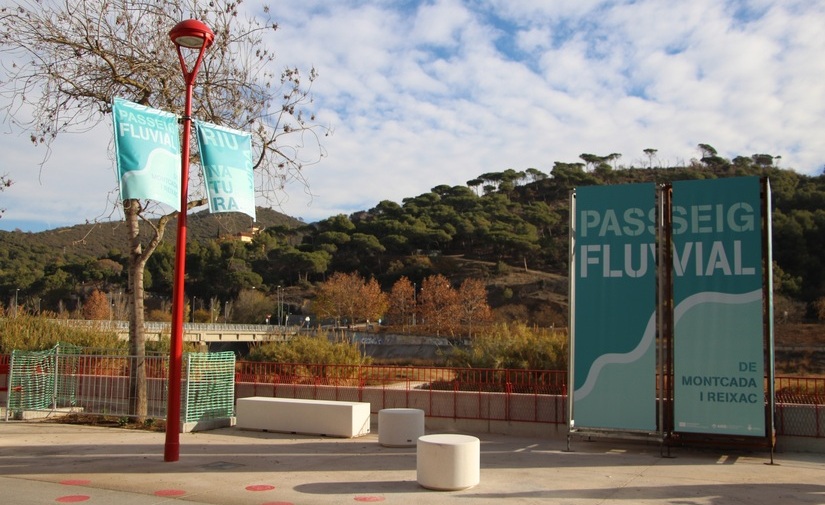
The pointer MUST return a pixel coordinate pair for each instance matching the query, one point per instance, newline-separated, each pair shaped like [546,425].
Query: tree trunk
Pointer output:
[137,336]
[138,256]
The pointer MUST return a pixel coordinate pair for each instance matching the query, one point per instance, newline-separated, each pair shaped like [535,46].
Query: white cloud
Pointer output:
[440,91]
[72,186]
[441,24]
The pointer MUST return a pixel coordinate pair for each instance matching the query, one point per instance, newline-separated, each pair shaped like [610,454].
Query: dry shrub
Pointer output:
[29,333]
[514,346]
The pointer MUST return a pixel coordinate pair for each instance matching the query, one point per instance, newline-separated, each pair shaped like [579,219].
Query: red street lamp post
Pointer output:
[190,34]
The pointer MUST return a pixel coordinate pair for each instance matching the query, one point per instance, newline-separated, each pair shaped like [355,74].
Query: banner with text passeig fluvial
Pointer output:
[718,307]
[226,158]
[614,328]
[147,148]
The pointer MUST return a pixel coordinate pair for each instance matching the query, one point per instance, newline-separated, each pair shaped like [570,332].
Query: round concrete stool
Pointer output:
[400,427]
[447,462]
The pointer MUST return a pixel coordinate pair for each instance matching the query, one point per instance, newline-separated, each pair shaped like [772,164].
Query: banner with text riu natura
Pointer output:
[226,157]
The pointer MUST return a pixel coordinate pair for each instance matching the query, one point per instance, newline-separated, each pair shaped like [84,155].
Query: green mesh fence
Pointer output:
[43,380]
[209,386]
[62,378]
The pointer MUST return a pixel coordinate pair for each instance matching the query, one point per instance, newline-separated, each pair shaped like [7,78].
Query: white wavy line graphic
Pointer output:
[714,297]
[158,159]
[159,164]
[650,333]
[617,358]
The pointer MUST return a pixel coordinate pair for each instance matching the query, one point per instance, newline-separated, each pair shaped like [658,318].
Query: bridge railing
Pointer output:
[157,326]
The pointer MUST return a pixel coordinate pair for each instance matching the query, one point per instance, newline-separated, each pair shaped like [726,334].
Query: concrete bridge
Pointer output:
[238,337]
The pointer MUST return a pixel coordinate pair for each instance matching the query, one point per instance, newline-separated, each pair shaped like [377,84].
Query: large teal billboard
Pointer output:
[718,307]
[614,307]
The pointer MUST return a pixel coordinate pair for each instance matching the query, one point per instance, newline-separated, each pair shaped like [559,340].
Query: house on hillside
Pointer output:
[244,236]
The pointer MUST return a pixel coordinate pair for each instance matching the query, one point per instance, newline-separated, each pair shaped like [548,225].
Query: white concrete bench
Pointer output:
[308,417]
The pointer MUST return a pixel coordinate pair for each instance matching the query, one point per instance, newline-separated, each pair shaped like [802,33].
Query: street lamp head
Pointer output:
[192,34]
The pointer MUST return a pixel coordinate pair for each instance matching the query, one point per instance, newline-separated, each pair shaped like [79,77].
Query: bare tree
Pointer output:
[70,58]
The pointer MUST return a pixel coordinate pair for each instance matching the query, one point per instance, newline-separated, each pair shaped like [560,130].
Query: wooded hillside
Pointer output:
[507,228]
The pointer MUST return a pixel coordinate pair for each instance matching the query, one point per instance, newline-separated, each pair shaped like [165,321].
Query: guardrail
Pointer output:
[532,396]
[800,390]
[537,396]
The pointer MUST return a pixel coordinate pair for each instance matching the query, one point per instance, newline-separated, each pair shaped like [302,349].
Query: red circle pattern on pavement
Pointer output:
[180,492]
[77,498]
[170,492]
[260,487]
[76,482]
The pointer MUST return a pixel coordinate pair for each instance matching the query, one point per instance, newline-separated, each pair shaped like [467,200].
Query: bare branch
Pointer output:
[65,61]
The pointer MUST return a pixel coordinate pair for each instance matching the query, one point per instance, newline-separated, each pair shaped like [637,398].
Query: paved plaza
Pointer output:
[47,463]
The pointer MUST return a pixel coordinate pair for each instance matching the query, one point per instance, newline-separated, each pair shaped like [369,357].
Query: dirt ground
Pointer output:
[800,334]
[800,349]
[158,425]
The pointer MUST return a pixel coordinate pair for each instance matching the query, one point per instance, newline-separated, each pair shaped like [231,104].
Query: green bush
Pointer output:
[514,346]
[310,351]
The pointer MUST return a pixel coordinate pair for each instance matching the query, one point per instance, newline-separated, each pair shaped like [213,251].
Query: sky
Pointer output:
[423,93]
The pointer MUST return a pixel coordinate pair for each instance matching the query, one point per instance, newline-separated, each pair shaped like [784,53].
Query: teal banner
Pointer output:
[614,296]
[147,148]
[226,157]
[718,307]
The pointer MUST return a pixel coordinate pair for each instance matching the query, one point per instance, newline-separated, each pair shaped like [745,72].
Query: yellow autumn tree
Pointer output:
[349,298]
[372,300]
[438,306]
[474,311]
[401,309]
[97,307]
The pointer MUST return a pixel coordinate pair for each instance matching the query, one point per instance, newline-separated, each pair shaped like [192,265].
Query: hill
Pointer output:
[509,228]
[99,239]
[515,293]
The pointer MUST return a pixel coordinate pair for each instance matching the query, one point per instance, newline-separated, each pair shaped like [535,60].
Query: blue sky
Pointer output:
[420,94]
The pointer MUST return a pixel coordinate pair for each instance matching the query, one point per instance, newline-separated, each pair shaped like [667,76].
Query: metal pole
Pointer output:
[415,302]
[185,33]
[172,448]
[571,325]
